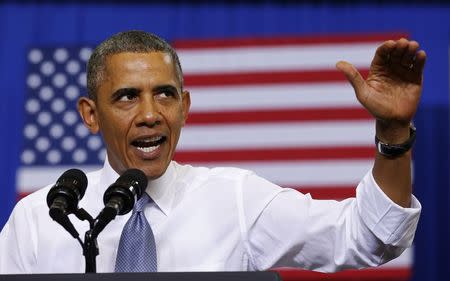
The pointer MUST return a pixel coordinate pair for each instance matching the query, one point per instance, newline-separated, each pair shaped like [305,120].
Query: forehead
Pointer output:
[128,64]
[132,60]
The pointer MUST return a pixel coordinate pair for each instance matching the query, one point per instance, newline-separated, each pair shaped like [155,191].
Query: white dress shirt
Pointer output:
[221,219]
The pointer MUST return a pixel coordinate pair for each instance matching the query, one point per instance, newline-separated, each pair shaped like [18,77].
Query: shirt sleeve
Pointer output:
[286,228]
[16,243]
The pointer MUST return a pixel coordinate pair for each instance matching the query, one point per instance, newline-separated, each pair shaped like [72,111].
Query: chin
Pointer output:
[154,173]
[153,169]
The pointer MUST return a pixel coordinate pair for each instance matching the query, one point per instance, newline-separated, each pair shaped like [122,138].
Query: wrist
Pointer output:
[396,149]
[393,132]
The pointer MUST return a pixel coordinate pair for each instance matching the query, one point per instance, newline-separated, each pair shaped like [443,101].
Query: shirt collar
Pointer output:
[161,190]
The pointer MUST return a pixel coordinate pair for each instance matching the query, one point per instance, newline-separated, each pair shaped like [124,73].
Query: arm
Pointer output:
[391,94]
[287,228]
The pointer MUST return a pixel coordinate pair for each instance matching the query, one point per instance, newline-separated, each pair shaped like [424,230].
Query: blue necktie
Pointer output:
[137,249]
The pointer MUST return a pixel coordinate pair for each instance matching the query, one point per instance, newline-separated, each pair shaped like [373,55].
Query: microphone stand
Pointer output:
[90,252]
[90,245]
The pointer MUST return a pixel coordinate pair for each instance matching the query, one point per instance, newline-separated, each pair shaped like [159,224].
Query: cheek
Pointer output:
[176,120]
[114,126]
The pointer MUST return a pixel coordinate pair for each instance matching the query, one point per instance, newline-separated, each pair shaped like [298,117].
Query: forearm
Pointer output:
[393,175]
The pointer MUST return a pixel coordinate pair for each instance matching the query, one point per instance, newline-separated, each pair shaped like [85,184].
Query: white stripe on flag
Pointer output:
[30,179]
[267,135]
[274,58]
[236,98]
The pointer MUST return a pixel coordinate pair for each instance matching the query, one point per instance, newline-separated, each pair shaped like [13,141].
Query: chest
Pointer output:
[196,235]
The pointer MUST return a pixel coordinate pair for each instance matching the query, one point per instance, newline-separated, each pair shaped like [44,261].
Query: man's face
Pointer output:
[140,111]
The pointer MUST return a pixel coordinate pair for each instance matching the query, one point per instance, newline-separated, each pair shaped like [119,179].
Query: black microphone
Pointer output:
[120,198]
[63,198]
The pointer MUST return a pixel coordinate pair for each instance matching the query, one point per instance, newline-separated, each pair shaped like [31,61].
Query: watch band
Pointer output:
[395,150]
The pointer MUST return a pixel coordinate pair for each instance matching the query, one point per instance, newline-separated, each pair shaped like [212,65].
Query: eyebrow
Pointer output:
[134,91]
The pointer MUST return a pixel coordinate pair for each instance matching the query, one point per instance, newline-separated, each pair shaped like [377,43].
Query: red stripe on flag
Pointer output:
[22,195]
[328,192]
[279,115]
[283,41]
[275,77]
[378,274]
[275,154]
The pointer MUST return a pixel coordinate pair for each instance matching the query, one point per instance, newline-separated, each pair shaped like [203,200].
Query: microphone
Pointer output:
[120,198]
[63,198]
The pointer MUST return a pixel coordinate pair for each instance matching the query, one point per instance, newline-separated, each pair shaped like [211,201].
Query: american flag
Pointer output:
[276,106]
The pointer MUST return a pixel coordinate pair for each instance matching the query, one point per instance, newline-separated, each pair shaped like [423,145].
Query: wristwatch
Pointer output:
[395,150]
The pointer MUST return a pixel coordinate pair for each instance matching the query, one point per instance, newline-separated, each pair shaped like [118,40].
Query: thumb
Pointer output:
[352,75]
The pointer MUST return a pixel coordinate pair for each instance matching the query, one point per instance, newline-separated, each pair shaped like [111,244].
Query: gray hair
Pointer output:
[134,41]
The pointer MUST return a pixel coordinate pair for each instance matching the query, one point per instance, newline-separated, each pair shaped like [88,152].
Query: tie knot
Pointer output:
[140,204]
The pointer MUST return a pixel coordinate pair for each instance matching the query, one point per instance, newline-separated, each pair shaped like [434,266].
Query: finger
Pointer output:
[399,51]
[410,55]
[419,62]
[353,76]
[383,52]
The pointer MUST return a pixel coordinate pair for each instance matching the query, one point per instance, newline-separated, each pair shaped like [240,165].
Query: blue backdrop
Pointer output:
[24,25]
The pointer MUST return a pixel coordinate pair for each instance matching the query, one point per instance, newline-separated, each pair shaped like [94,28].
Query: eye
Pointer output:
[165,94]
[127,97]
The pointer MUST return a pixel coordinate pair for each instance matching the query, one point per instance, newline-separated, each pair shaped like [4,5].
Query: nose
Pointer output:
[149,114]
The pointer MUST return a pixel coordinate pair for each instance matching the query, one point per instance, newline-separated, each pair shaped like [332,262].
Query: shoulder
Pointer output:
[226,177]
[210,173]
[37,199]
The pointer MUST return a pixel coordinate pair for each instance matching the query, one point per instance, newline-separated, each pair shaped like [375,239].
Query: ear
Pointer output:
[88,112]
[186,104]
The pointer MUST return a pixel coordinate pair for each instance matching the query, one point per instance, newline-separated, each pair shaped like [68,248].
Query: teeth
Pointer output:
[148,149]
[152,139]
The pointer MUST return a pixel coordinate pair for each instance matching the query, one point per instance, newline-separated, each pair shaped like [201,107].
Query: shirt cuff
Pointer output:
[391,223]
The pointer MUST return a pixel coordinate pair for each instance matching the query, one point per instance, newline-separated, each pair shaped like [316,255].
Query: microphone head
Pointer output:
[129,187]
[71,185]
[75,177]
[137,178]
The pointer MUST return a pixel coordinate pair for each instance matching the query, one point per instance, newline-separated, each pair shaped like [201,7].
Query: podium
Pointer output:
[158,276]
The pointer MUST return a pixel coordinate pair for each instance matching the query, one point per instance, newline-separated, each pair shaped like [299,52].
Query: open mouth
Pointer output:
[148,144]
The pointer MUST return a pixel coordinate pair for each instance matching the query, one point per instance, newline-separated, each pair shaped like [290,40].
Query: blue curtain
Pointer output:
[22,26]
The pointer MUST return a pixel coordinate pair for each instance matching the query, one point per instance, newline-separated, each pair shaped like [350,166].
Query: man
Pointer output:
[225,218]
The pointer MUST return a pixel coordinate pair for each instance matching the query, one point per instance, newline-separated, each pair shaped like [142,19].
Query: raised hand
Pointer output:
[392,90]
